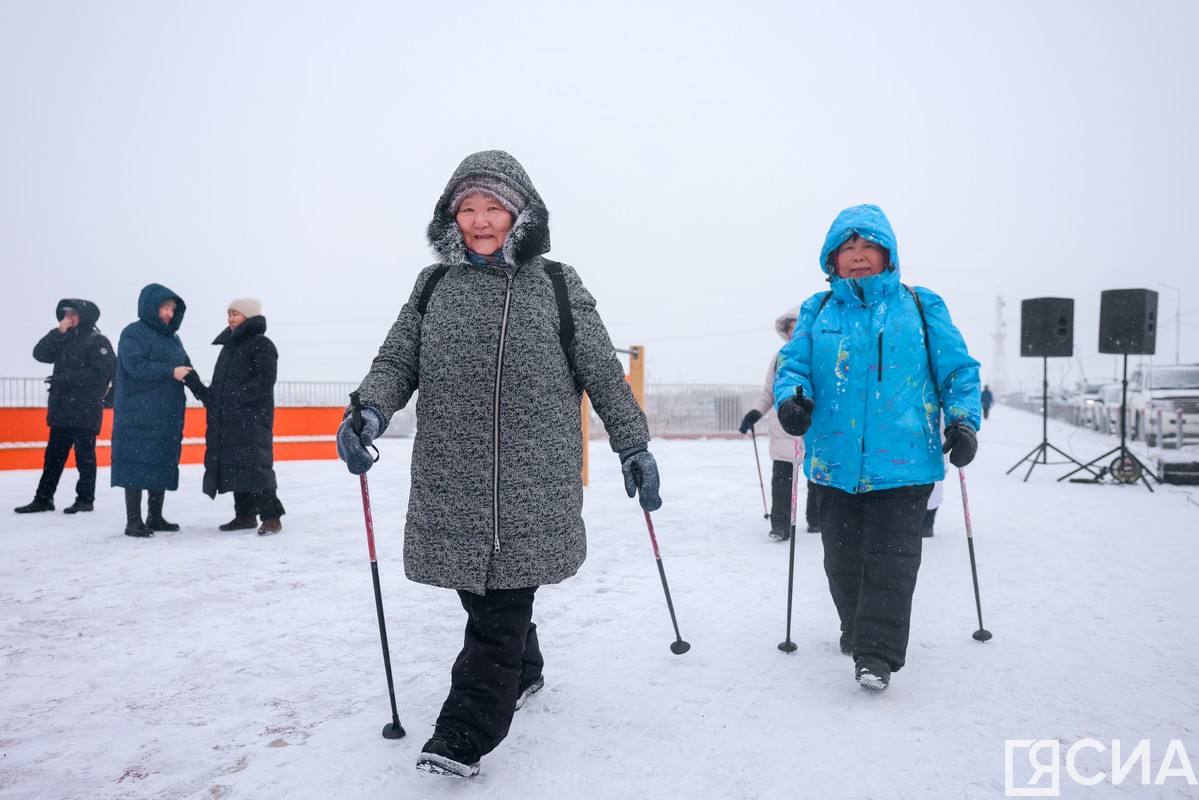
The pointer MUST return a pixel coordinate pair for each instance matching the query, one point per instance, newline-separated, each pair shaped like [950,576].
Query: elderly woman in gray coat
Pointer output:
[496,496]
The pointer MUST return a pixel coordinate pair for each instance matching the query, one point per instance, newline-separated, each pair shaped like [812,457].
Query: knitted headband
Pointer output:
[509,197]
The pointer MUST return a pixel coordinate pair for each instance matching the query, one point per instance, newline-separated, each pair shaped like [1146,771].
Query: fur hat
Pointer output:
[509,197]
[246,306]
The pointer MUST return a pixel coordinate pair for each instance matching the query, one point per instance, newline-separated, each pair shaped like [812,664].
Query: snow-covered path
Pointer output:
[203,664]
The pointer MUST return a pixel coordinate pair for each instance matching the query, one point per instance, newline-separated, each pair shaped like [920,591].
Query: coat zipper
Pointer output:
[880,356]
[495,421]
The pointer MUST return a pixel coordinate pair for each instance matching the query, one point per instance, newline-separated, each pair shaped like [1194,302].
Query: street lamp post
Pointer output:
[1177,321]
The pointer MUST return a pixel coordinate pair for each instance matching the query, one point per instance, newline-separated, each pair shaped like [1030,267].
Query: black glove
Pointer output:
[795,413]
[752,417]
[641,473]
[960,443]
[351,447]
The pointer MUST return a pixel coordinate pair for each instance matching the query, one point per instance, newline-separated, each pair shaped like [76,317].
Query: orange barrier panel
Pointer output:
[300,434]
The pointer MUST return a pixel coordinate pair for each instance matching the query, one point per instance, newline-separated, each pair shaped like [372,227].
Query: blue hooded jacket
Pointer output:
[859,351]
[148,403]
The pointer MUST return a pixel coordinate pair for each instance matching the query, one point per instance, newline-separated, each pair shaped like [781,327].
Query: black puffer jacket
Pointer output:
[496,495]
[84,364]
[240,405]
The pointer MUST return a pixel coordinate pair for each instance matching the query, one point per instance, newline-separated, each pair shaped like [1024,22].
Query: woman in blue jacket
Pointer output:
[148,404]
[871,368]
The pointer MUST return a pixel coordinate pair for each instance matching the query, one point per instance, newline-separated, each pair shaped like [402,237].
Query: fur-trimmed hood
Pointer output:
[530,234]
[788,317]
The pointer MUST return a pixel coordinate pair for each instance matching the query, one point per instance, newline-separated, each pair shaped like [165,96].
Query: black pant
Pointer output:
[57,449]
[872,547]
[499,655]
[264,503]
[780,498]
[986,411]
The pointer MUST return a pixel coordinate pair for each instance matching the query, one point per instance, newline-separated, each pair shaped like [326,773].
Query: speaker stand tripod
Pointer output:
[1040,453]
[1125,467]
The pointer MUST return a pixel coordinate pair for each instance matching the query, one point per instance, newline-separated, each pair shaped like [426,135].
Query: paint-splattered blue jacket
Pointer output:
[879,393]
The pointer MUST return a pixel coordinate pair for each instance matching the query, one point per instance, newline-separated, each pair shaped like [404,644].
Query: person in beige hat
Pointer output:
[240,404]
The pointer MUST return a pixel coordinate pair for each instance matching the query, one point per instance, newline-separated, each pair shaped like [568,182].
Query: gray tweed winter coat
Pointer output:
[496,494]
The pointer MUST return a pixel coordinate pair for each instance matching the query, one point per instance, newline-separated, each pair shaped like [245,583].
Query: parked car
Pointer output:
[1083,400]
[1107,409]
[1170,390]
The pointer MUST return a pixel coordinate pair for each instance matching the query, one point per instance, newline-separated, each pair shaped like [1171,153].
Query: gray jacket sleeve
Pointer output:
[393,376]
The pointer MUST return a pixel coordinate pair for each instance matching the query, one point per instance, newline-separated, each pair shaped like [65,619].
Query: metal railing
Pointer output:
[32,393]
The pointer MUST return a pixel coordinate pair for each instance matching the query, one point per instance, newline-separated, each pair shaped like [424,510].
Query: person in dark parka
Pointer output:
[84,363]
[148,407]
[240,404]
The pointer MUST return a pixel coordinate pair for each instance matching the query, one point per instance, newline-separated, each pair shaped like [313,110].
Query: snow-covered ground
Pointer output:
[203,664]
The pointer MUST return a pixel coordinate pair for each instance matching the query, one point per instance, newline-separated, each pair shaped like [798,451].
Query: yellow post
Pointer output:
[586,433]
[637,373]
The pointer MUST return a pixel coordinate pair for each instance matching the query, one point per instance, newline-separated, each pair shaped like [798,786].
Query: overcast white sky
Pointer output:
[692,156]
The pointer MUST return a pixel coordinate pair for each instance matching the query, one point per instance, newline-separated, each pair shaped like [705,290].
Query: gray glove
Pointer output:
[352,447]
[641,474]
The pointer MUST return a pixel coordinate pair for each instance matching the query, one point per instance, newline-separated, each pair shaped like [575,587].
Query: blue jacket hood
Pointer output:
[867,221]
[149,301]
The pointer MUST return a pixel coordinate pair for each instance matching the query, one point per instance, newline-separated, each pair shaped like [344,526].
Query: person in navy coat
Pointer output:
[148,405]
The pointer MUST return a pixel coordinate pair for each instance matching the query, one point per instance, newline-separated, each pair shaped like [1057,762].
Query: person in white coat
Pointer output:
[782,447]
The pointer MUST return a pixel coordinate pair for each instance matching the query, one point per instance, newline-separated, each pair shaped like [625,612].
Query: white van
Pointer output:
[1170,390]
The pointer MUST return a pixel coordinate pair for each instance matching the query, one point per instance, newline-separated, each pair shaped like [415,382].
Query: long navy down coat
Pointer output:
[147,429]
[239,456]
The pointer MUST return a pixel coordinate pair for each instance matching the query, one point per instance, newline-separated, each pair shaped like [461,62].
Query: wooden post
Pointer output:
[637,373]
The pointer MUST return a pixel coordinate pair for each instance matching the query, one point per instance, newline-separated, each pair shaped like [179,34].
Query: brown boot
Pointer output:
[269,526]
[240,524]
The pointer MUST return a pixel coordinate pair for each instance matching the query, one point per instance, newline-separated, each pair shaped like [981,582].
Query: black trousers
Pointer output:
[500,654]
[780,498]
[57,449]
[872,547]
[264,503]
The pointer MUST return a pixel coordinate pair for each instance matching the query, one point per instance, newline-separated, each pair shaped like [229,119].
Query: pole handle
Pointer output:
[356,421]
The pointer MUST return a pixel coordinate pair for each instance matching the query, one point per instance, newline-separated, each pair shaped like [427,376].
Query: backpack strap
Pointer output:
[430,284]
[928,349]
[566,319]
[824,301]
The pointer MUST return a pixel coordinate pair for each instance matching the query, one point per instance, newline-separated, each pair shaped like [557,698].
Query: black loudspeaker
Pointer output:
[1128,321]
[1047,327]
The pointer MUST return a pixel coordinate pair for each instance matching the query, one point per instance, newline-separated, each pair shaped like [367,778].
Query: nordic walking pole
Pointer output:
[758,462]
[788,646]
[393,729]
[982,634]
[678,646]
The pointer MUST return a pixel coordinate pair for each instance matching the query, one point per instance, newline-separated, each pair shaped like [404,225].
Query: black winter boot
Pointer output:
[872,672]
[154,518]
[133,515]
[38,504]
[449,752]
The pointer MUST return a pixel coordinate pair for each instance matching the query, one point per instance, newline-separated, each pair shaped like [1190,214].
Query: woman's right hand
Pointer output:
[181,373]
